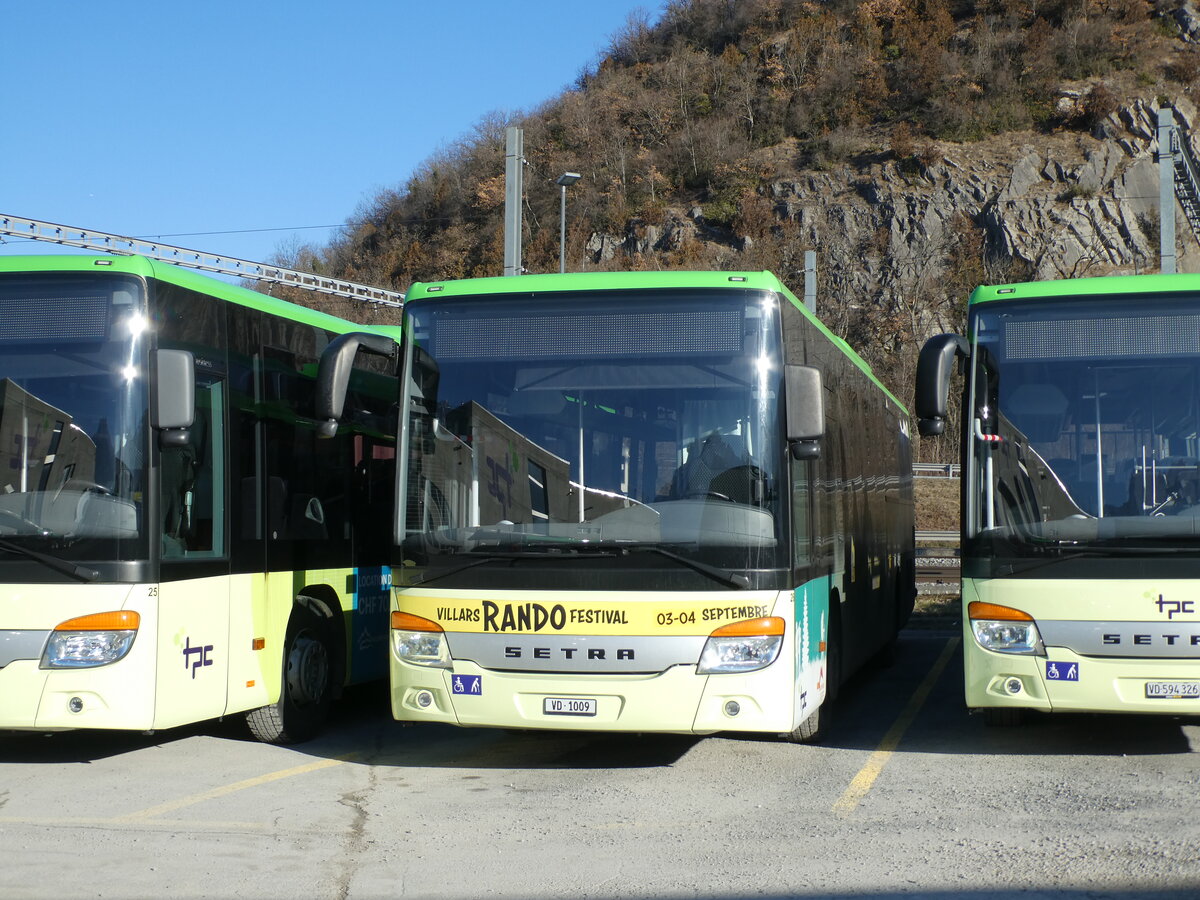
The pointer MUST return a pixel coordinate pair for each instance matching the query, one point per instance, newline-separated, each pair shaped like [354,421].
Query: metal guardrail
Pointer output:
[924,537]
[936,470]
[1187,181]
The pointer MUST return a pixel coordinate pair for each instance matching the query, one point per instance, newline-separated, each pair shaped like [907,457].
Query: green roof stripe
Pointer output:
[186,278]
[1096,287]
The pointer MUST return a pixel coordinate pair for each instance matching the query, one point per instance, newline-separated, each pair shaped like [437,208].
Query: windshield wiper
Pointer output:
[481,557]
[66,567]
[560,551]
[724,576]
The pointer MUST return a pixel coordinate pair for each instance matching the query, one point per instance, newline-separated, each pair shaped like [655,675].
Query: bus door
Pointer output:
[196,649]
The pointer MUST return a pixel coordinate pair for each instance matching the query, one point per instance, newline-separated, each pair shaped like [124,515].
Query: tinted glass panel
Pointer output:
[545,426]
[73,430]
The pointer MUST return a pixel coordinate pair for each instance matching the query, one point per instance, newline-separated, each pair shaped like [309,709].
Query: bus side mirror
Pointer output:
[805,411]
[933,380]
[175,397]
[333,374]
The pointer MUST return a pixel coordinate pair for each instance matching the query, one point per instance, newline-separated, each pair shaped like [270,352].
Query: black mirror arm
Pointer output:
[934,367]
[333,374]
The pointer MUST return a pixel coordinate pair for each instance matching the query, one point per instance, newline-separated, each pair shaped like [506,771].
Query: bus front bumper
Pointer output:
[1063,681]
[677,701]
[34,699]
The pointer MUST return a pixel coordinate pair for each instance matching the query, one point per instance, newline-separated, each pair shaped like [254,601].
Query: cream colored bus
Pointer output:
[642,502]
[176,541]
[1080,433]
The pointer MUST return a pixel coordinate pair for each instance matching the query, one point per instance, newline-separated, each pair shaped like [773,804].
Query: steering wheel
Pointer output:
[704,495]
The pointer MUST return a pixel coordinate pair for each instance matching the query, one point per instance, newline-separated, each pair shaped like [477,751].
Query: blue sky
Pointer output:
[234,128]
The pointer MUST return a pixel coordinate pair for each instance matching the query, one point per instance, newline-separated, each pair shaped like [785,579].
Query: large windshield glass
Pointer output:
[72,416]
[636,429]
[1085,423]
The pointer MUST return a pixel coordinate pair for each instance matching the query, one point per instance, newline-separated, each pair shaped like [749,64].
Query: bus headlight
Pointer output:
[419,641]
[89,641]
[742,646]
[1004,629]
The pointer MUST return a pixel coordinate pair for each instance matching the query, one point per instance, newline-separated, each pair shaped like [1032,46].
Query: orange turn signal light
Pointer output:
[117,620]
[980,610]
[402,621]
[752,627]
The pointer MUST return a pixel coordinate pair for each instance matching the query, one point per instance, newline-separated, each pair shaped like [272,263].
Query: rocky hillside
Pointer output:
[920,147]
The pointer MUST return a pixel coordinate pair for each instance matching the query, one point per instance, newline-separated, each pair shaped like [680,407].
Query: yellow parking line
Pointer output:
[862,782]
[225,790]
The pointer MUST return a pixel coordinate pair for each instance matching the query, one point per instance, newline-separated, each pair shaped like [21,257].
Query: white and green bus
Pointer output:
[641,502]
[176,542]
[1080,493]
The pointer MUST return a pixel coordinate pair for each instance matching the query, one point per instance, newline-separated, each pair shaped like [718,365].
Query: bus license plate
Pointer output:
[1173,690]
[568,706]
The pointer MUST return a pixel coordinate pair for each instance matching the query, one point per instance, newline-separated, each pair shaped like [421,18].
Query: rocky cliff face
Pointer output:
[1056,205]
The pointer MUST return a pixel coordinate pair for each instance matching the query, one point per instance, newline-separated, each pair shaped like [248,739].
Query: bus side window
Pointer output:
[193,483]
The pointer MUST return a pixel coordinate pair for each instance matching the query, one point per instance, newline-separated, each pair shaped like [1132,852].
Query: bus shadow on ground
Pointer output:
[445,746]
[361,730]
[874,700]
[1129,892]
[87,746]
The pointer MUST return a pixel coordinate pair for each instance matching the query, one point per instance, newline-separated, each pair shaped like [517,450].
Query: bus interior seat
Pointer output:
[741,484]
[1038,411]
[707,459]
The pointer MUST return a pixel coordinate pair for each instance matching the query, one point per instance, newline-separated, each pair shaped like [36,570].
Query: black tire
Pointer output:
[307,690]
[815,728]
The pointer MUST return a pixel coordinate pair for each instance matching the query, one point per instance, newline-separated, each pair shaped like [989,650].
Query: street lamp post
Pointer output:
[562,181]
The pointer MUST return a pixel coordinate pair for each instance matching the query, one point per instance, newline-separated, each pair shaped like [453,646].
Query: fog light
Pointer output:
[732,708]
[1013,685]
[424,699]
[75,705]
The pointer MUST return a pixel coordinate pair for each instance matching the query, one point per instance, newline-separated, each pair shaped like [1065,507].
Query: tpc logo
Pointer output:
[200,654]
[1170,607]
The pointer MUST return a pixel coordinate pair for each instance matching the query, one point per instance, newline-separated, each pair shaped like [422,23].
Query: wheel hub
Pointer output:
[307,671]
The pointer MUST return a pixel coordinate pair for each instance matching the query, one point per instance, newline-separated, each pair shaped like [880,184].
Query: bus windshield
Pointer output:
[1084,425]
[72,416]
[646,426]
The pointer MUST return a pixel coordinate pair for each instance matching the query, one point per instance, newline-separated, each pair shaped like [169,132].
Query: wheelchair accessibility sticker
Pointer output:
[468,684]
[1061,671]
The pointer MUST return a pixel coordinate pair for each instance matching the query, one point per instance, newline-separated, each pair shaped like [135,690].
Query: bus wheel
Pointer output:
[815,728]
[307,689]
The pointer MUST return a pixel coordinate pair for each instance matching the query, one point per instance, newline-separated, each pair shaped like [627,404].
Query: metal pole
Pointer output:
[563,181]
[1166,191]
[810,281]
[562,230]
[514,176]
